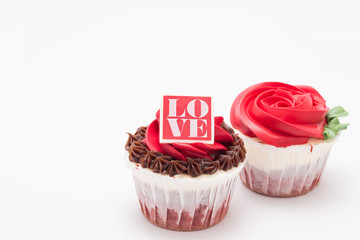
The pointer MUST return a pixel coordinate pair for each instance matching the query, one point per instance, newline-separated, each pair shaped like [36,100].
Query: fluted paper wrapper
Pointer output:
[284,172]
[183,203]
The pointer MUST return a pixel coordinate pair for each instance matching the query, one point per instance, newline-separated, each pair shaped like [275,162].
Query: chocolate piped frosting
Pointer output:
[159,163]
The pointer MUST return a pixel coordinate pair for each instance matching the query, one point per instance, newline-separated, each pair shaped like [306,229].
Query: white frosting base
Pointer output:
[183,181]
[265,156]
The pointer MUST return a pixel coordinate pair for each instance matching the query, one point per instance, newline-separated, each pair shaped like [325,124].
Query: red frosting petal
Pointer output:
[210,147]
[152,136]
[188,147]
[221,135]
[188,153]
[157,115]
[218,120]
[170,150]
[279,114]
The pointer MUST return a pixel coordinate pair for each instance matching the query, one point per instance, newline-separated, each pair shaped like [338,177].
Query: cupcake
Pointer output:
[185,186]
[288,133]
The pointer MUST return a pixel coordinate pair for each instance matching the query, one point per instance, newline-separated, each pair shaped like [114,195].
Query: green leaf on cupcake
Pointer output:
[333,125]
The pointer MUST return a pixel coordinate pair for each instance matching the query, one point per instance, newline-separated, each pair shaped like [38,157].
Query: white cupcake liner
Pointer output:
[284,172]
[181,202]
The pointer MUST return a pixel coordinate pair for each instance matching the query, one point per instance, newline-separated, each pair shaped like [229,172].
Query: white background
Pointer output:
[75,76]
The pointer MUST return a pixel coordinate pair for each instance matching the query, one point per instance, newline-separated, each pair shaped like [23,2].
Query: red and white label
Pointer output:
[186,119]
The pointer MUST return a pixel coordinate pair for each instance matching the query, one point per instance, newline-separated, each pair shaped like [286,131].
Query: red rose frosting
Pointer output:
[279,114]
[183,150]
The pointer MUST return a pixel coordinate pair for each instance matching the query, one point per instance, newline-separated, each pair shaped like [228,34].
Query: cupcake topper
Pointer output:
[186,119]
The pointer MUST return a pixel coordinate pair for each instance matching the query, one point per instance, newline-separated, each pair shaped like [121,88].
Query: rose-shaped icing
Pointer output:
[279,114]
[183,150]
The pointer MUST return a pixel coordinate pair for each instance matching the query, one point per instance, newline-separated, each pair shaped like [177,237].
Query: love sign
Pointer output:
[186,119]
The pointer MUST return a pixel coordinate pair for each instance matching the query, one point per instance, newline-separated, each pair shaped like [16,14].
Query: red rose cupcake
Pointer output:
[183,186]
[288,133]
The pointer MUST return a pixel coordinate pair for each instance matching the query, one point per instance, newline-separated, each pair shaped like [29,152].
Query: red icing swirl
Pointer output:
[183,150]
[279,114]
